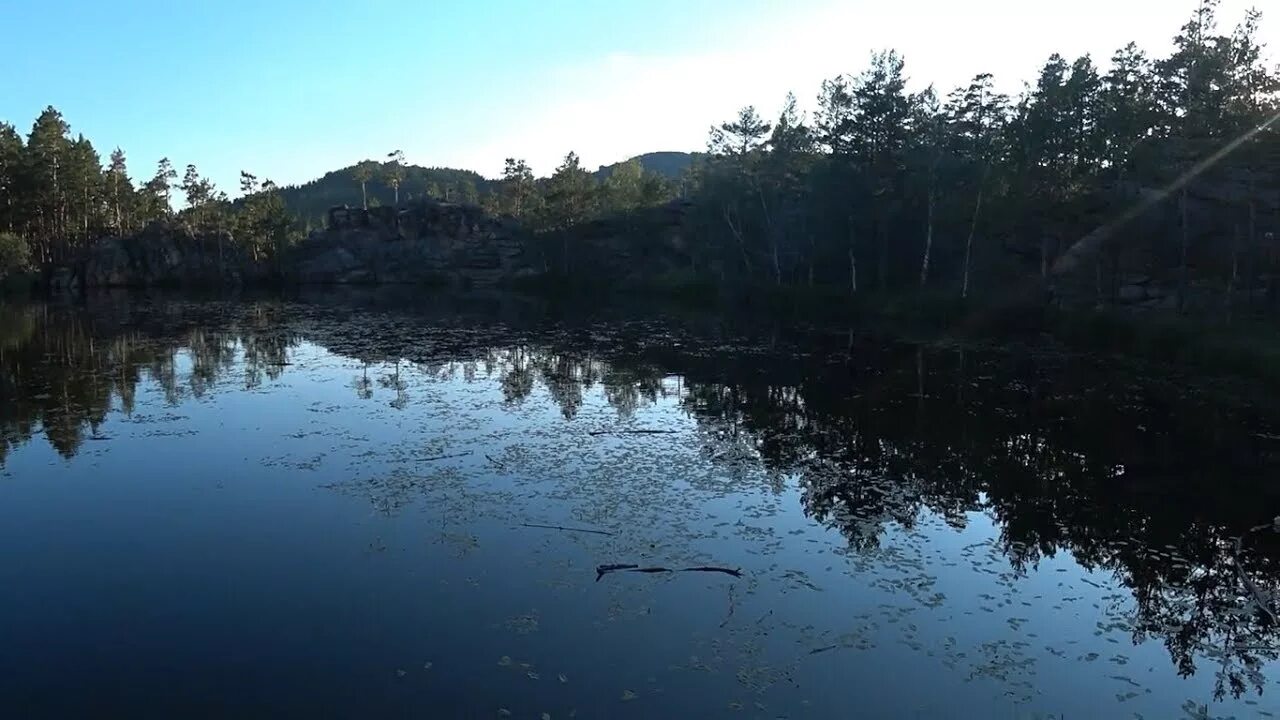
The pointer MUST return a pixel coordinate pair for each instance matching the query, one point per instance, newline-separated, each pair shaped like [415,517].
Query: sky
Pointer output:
[291,89]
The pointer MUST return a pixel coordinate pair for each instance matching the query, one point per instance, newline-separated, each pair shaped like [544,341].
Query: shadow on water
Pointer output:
[1138,475]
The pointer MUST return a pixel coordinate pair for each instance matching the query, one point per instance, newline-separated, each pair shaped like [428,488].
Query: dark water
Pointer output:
[320,509]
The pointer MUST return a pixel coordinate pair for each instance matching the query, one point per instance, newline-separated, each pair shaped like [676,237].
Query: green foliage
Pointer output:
[668,165]
[892,192]
[15,256]
[362,184]
[961,195]
[263,223]
[569,196]
[393,172]
[517,194]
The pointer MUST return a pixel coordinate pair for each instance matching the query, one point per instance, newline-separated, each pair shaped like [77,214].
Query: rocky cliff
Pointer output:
[426,243]
[163,254]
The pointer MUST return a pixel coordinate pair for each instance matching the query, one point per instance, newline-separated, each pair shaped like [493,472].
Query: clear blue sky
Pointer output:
[289,89]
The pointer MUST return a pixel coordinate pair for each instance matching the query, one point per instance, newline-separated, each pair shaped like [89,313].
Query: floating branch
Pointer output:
[632,432]
[446,457]
[565,529]
[603,570]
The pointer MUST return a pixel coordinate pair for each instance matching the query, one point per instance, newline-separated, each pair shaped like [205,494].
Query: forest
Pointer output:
[1142,179]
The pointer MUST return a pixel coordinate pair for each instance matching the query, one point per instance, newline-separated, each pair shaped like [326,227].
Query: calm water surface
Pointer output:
[329,509]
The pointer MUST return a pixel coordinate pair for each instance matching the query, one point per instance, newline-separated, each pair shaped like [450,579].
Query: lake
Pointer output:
[389,506]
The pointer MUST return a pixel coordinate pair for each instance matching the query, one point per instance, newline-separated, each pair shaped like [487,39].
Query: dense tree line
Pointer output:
[573,194]
[884,189]
[1094,182]
[57,197]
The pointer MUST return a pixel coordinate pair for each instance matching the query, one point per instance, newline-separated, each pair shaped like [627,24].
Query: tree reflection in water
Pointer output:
[1138,476]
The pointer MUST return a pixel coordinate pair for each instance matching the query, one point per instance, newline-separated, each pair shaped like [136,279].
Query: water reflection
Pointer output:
[1142,477]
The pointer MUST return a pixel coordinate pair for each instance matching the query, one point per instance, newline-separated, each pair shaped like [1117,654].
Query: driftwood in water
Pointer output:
[565,529]
[445,457]
[603,570]
[632,432]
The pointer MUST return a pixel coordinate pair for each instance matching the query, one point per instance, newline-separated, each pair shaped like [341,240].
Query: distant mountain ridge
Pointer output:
[670,164]
[312,200]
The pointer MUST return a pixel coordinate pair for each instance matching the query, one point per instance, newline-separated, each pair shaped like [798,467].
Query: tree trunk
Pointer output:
[853,273]
[1185,248]
[1253,242]
[882,271]
[771,232]
[968,246]
[928,242]
[1097,282]
[1233,281]
[742,243]
[853,262]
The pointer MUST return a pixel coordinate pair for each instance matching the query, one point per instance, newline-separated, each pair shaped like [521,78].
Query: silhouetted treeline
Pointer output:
[1178,158]
[57,197]
[517,192]
[1147,180]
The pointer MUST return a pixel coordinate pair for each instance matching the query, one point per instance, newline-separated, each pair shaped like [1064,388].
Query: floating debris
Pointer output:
[603,570]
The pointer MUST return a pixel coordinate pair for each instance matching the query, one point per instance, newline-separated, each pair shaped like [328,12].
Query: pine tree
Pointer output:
[518,191]
[394,172]
[879,132]
[12,152]
[46,152]
[1129,110]
[747,134]
[84,188]
[976,116]
[119,191]
[623,189]
[570,197]
[155,196]
[363,173]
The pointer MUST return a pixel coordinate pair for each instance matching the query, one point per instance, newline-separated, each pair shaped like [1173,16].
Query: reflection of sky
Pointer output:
[237,550]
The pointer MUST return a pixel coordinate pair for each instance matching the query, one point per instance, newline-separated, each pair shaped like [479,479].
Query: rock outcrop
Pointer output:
[428,242]
[630,249]
[168,254]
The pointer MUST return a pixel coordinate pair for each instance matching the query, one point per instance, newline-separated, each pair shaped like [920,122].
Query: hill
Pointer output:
[669,164]
[312,200]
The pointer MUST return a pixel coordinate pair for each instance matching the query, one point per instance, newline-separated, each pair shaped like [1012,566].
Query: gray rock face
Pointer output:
[427,243]
[168,254]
